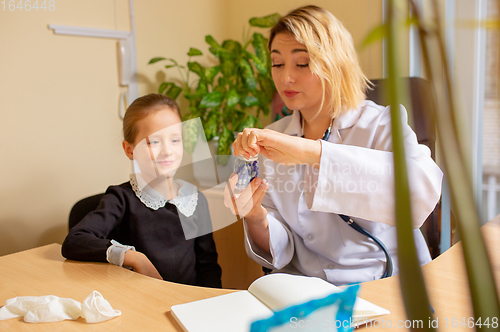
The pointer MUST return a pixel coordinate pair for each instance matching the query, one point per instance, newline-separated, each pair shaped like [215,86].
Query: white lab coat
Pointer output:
[355,178]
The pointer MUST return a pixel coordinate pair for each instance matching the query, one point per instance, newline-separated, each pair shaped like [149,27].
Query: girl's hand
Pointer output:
[141,264]
[247,203]
[279,147]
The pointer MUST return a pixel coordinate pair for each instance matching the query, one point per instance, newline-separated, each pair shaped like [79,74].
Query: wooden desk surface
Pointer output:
[447,286]
[145,302]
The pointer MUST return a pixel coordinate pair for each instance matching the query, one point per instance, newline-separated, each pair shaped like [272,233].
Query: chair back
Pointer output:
[82,208]
[421,105]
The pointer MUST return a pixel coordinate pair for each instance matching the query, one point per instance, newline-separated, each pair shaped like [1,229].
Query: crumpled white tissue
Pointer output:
[50,308]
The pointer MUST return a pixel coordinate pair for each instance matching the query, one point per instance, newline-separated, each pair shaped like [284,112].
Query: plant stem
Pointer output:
[411,278]
[187,72]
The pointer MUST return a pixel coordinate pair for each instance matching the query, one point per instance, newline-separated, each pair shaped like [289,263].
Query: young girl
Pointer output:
[149,222]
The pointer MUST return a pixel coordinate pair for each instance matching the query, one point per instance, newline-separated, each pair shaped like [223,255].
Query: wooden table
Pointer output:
[447,286]
[145,302]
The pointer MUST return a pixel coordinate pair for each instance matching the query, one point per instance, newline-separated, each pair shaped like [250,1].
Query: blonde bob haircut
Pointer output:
[332,55]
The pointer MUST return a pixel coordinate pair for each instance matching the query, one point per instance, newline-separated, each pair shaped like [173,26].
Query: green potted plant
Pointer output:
[230,95]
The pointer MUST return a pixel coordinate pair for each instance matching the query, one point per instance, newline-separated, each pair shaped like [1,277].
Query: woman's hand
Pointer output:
[141,264]
[279,147]
[247,203]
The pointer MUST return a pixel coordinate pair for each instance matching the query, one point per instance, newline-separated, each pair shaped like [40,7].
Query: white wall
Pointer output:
[60,134]
[60,130]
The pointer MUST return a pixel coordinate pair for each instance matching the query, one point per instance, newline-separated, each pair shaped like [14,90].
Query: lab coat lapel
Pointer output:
[344,121]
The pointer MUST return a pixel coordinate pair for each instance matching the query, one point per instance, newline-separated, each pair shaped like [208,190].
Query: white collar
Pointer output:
[341,121]
[185,201]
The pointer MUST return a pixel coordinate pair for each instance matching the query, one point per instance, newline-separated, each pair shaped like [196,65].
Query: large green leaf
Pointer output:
[248,74]
[214,50]
[261,66]
[226,139]
[232,98]
[201,89]
[192,97]
[250,101]
[263,102]
[211,125]
[194,52]
[211,41]
[223,81]
[266,21]
[163,87]
[210,73]
[190,133]
[267,85]
[249,122]
[260,46]
[196,68]
[375,35]
[232,46]
[265,109]
[173,91]
[189,95]
[227,64]
[153,60]
[213,99]
[170,89]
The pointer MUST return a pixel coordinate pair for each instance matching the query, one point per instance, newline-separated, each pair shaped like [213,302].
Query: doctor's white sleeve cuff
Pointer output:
[116,252]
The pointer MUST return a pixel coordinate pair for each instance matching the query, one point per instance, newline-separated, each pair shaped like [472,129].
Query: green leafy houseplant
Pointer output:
[230,95]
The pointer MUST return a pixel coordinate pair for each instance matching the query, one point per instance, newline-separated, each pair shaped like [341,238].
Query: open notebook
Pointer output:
[235,312]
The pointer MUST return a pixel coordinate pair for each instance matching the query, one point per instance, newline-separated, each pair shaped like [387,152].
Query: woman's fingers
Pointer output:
[252,141]
[237,145]
[242,203]
[253,197]
[246,143]
[232,199]
[260,193]
[247,193]
[229,195]
[257,197]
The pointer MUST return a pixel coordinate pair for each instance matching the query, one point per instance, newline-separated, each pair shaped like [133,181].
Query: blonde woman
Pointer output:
[330,159]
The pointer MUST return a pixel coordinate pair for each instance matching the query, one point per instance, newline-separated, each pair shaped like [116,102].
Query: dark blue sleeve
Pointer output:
[89,239]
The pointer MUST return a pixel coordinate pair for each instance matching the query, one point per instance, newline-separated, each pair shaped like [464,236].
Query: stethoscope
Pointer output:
[354,225]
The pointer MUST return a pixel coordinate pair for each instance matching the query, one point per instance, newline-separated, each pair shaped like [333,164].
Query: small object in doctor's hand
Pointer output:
[247,170]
